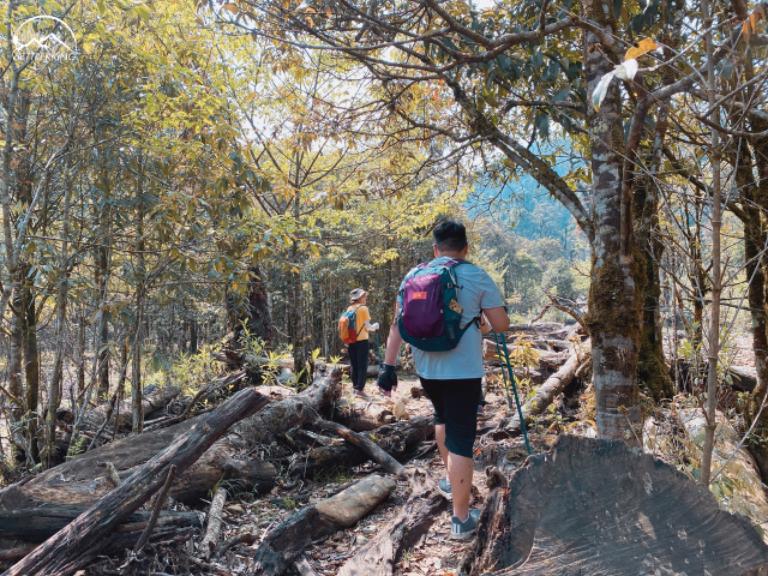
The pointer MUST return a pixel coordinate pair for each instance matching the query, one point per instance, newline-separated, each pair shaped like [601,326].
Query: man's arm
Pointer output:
[394,341]
[497,318]
[388,377]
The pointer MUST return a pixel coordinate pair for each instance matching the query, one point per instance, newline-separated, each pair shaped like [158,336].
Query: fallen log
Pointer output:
[125,536]
[283,545]
[742,378]
[547,360]
[599,507]
[400,440]
[364,444]
[381,554]
[75,545]
[547,392]
[36,525]
[157,506]
[151,403]
[213,525]
[553,330]
[297,410]
[85,478]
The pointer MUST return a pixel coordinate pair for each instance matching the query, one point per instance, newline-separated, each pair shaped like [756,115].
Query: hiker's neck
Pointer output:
[458,255]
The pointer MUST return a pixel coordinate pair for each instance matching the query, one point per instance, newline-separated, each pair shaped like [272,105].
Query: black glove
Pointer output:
[387,378]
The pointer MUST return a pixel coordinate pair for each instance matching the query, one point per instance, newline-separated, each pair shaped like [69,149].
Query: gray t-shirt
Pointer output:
[476,292]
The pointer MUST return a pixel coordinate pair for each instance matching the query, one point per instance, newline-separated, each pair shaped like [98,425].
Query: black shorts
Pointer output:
[456,403]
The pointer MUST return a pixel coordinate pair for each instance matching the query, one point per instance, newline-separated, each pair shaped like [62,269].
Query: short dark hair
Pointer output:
[450,235]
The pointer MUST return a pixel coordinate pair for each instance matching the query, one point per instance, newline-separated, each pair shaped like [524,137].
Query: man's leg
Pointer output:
[460,470]
[440,439]
[461,401]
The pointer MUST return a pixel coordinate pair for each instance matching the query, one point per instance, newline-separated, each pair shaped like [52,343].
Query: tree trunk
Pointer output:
[137,413]
[76,545]
[40,523]
[15,383]
[102,272]
[653,372]
[400,440]
[81,341]
[55,385]
[283,544]
[193,345]
[713,348]
[380,555]
[31,365]
[250,312]
[614,301]
[758,410]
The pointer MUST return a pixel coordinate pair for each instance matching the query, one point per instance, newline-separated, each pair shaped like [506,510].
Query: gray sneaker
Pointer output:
[444,487]
[465,530]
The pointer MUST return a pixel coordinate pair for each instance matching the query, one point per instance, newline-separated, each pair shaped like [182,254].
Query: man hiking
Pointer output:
[440,306]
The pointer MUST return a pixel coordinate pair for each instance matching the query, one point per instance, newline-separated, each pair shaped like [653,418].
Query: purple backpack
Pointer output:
[430,313]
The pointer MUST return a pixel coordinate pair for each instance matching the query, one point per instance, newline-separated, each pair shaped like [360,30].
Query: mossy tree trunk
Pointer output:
[614,296]
[755,242]
[652,371]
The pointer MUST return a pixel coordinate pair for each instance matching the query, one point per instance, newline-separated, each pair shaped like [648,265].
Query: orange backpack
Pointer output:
[348,326]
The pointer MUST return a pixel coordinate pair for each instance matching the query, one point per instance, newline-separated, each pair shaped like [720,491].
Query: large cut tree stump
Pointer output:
[75,545]
[283,545]
[84,479]
[600,508]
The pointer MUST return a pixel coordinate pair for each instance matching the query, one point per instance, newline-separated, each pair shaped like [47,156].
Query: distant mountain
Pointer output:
[526,207]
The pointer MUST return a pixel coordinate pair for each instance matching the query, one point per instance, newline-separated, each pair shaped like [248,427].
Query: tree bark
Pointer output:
[137,413]
[713,349]
[283,545]
[40,523]
[31,365]
[364,444]
[15,383]
[400,440]
[380,555]
[74,546]
[614,301]
[213,525]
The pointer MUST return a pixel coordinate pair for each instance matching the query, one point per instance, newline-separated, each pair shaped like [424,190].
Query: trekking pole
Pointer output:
[501,345]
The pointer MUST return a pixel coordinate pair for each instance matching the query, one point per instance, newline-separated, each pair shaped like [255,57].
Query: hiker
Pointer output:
[354,328]
[441,306]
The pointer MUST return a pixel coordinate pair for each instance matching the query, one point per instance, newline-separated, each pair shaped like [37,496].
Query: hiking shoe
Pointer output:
[444,487]
[385,393]
[361,394]
[465,530]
